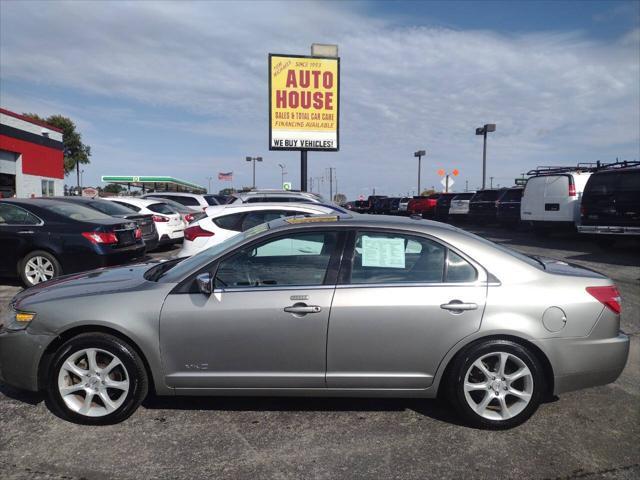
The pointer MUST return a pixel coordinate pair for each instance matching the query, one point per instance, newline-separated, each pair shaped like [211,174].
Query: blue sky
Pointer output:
[181,88]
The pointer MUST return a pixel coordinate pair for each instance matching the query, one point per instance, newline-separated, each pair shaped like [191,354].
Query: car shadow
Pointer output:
[31,398]
[10,282]
[432,408]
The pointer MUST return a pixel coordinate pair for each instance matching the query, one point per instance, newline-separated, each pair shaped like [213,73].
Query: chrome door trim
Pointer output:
[274,288]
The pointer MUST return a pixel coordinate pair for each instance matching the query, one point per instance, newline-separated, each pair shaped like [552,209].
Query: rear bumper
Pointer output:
[586,362]
[608,230]
[20,354]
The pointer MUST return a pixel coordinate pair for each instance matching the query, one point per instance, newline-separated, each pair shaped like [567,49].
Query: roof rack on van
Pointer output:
[581,167]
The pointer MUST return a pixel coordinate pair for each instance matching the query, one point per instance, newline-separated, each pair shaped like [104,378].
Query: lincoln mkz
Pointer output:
[321,306]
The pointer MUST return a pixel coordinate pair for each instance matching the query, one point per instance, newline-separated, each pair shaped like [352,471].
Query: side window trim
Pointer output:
[344,278]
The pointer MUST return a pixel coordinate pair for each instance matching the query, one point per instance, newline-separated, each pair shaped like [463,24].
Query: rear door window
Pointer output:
[14,215]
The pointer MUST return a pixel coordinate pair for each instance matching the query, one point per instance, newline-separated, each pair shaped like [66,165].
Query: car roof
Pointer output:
[176,194]
[239,207]
[141,202]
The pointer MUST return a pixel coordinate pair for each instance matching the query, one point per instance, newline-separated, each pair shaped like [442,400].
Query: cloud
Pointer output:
[556,97]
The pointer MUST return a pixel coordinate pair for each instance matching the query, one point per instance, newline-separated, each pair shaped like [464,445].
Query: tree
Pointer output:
[113,188]
[426,193]
[76,153]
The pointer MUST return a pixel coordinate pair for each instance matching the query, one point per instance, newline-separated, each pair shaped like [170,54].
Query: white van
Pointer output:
[552,200]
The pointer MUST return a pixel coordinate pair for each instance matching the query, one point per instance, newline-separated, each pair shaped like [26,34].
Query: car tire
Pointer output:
[38,266]
[487,399]
[116,379]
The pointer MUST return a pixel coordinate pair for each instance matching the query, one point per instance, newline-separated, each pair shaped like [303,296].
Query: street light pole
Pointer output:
[209,179]
[254,160]
[419,154]
[282,173]
[489,127]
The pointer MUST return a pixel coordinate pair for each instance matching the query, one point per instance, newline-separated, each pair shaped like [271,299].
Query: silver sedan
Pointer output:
[324,306]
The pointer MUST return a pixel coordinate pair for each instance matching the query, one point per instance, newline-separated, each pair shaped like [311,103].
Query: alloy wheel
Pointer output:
[93,382]
[498,386]
[39,269]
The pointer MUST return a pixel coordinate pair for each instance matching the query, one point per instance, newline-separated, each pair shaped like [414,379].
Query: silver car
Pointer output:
[325,306]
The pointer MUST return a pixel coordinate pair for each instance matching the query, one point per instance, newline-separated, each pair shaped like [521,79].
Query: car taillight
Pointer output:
[191,233]
[188,217]
[572,189]
[102,238]
[138,233]
[609,296]
[160,218]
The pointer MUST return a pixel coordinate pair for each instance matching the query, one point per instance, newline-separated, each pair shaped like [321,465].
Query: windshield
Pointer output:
[76,212]
[202,258]
[110,208]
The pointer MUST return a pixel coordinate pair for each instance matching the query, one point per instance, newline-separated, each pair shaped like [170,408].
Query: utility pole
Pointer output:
[419,154]
[466,185]
[331,184]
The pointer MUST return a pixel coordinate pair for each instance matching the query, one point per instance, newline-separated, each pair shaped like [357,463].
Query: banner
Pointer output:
[304,103]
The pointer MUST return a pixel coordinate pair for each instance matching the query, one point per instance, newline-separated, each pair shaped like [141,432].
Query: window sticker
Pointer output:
[383,252]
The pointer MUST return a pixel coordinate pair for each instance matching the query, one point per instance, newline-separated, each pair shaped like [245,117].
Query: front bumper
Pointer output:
[609,230]
[586,362]
[20,355]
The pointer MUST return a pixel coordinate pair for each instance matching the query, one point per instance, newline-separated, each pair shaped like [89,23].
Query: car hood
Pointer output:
[93,282]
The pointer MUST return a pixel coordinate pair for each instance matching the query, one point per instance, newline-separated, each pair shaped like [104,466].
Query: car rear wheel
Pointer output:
[37,267]
[496,384]
[96,379]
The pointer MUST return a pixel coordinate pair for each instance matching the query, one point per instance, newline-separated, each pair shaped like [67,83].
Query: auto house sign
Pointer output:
[304,103]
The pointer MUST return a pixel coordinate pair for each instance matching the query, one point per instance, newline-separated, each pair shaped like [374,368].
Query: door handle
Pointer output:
[303,309]
[456,306]
[25,231]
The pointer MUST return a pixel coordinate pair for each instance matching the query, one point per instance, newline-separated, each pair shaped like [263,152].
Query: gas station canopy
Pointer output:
[155,183]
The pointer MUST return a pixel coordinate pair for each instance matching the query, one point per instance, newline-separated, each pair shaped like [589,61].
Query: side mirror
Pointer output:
[205,282]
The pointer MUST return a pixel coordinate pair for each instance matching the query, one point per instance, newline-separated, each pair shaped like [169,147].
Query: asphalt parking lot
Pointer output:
[587,434]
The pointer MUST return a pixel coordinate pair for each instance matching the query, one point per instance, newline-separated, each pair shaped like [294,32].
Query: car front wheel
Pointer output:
[496,384]
[96,379]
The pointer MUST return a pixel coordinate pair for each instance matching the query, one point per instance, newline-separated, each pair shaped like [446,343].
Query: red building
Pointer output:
[31,157]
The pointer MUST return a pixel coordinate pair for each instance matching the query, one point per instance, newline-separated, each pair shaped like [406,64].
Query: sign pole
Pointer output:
[303,170]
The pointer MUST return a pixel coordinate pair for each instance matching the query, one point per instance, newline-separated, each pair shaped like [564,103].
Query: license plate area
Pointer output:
[551,207]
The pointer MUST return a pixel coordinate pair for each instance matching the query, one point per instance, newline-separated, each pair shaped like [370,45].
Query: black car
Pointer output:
[483,206]
[145,222]
[611,203]
[441,210]
[381,206]
[508,210]
[394,206]
[371,201]
[41,239]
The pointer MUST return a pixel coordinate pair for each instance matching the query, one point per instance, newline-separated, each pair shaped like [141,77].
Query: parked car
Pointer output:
[459,209]
[394,206]
[494,331]
[41,239]
[611,204]
[423,206]
[225,221]
[168,222]
[381,206]
[402,206]
[279,196]
[371,200]
[443,204]
[362,206]
[194,201]
[483,206]
[508,206]
[145,222]
[188,214]
[551,198]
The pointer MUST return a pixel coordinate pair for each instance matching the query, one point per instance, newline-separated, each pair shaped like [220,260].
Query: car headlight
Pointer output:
[17,320]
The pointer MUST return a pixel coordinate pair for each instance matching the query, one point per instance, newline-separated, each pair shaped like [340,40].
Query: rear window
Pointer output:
[161,208]
[557,186]
[75,212]
[463,196]
[486,196]
[512,195]
[211,200]
[111,208]
[188,201]
[127,205]
[607,183]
